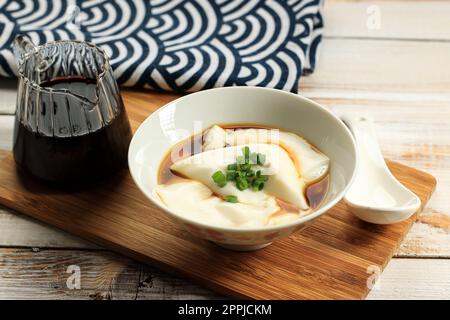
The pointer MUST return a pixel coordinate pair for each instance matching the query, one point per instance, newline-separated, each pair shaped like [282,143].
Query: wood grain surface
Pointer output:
[329,259]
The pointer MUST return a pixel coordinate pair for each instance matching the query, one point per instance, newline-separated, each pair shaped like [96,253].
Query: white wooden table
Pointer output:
[395,68]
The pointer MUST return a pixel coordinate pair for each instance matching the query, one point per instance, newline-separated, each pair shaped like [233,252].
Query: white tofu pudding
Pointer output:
[238,176]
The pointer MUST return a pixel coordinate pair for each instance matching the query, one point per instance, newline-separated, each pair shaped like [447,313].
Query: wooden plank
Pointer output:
[439,242]
[406,134]
[124,220]
[426,230]
[410,19]
[42,274]
[17,230]
[427,237]
[414,279]
[382,66]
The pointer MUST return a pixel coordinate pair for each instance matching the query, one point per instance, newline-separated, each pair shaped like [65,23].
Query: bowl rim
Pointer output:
[272,228]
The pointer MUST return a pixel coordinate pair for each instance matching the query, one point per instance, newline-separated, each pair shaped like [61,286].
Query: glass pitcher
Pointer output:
[70,124]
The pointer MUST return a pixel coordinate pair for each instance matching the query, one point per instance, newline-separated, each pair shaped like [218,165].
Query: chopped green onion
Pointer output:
[231,198]
[250,173]
[231,175]
[241,184]
[261,159]
[257,185]
[246,152]
[219,178]
[242,173]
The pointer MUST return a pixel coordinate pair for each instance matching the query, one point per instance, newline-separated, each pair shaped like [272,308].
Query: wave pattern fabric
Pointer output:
[178,45]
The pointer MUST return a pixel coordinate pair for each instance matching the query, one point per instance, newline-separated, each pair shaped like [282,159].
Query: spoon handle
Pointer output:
[363,131]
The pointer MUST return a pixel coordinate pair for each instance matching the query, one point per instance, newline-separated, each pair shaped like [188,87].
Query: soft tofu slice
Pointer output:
[214,138]
[196,201]
[310,163]
[283,182]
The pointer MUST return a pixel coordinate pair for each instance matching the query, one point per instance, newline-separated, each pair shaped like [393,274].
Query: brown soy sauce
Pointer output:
[84,158]
[315,192]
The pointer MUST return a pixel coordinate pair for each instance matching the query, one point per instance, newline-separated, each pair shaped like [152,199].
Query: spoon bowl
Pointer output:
[375,195]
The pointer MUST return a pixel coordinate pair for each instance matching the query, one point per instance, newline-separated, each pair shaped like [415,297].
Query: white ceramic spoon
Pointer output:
[376,196]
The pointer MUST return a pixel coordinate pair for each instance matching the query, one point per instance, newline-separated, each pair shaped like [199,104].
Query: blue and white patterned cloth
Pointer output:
[180,45]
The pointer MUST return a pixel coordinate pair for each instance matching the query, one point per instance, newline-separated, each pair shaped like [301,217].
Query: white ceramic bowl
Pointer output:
[179,119]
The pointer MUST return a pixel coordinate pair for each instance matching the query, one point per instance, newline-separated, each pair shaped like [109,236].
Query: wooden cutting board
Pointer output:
[333,258]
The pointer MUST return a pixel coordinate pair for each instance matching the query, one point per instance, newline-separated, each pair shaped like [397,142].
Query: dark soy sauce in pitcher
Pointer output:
[84,157]
[71,125]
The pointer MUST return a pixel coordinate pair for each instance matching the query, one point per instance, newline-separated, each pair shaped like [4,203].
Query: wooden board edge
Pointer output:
[127,252]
